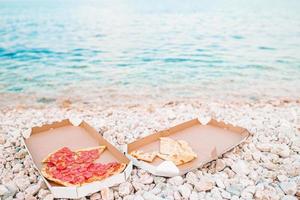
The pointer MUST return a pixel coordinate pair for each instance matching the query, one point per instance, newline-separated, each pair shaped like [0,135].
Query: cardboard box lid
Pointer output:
[48,138]
[208,141]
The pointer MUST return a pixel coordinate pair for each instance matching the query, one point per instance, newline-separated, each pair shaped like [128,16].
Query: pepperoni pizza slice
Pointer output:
[88,155]
[61,155]
[69,168]
[101,171]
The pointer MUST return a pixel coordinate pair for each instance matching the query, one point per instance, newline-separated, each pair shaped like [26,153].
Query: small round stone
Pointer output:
[289,188]
[95,196]
[125,189]
[185,190]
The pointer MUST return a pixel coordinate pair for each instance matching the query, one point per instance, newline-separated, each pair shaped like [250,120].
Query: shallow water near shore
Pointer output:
[96,49]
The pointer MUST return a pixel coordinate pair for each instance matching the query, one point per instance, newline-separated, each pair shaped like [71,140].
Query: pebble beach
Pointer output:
[132,68]
[265,167]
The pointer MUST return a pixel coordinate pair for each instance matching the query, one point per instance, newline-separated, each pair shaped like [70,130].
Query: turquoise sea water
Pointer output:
[193,48]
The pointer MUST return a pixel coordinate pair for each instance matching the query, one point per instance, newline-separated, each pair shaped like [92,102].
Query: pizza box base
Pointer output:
[209,141]
[48,138]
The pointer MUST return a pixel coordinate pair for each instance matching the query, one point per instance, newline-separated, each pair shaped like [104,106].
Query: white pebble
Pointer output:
[240,167]
[107,194]
[146,179]
[22,183]
[138,197]
[177,195]
[185,190]
[176,180]
[235,189]
[281,150]
[194,196]
[11,186]
[265,147]
[150,196]
[289,188]
[226,195]
[191,177]
[246,195]
[220,184]
[2,139]
[289,197]
[95,196]
[204,185]
[32,190]
[220,165]
[17,167]
[49,197]
[21,154]
[282,178]
[256,156]
[3,190]
[20,195]
[125,189]
[43,193]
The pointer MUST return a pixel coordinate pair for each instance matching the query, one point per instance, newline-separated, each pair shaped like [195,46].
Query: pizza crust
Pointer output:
[50,154]
[177,151]
[58,181]
[168,146]
[100,149]
[174,158]
[92,179]
[121,168]
[108,173]
[141,155]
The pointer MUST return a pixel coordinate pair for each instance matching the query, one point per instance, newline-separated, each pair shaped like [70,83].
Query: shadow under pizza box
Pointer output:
[48,138]
[208,141]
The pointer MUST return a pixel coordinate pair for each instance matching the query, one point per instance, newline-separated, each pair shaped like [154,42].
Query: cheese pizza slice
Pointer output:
[177,151]
[141,155]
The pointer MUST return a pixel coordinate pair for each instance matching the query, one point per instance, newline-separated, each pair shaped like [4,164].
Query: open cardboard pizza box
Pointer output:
[208,141]
[48,138]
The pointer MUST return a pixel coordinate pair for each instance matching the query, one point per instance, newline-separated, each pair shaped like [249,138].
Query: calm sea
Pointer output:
[161,47]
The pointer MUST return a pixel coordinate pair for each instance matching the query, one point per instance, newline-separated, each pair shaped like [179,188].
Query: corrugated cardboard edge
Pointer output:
[77,192]
[153,169]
